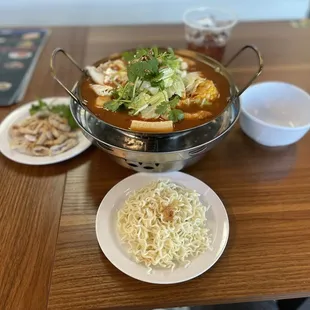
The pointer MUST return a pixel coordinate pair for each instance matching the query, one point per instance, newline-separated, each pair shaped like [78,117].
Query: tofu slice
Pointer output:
[101,101]
[160,127]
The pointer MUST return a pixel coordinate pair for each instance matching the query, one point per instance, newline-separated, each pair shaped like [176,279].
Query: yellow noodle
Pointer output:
[163,224]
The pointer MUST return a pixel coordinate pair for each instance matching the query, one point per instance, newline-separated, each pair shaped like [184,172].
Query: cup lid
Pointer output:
[207,18]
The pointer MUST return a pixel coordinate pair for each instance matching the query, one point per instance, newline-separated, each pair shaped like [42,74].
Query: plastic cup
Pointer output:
[207,30]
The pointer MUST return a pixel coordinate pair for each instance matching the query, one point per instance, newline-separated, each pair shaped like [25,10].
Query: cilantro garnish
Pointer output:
[41,105]
[155,51]
[143,69]
[167,106]
[113,105]
[128,56]
[62,110]
[176,115]
[174,102]
[153,85]
[162,108]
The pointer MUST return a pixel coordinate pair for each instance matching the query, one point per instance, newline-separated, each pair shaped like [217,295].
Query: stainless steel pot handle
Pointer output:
[52,66]
[260,63]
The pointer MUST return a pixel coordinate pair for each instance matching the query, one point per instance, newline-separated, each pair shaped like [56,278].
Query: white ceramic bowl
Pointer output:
[275,113]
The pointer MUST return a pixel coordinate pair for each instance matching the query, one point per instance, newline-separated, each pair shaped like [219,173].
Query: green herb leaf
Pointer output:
[134,88]
[124,92]
[155,51]
[143,70]
[174,102]
[154,102]
[159,84]
[62,110]
[167,106]
[176,115]
[113,105]
[169,59]
[35,108]
[72,123]
[142,52]
[153,73]
[128,56]
[162,108]
[170,51]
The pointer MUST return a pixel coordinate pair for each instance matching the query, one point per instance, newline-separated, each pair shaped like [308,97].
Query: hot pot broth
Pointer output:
[192,111]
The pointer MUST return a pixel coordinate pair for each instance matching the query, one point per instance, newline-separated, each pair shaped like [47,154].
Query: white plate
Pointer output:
[107,235]
[21,113]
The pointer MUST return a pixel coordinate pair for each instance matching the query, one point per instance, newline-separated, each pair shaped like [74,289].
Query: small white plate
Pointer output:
[21,113]
[107,235]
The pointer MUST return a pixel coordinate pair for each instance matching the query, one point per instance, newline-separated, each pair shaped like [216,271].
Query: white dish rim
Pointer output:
[38,160]
[132,269]
[261,122]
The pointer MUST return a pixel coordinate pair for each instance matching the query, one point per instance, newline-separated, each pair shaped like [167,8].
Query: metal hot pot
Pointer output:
[159,152]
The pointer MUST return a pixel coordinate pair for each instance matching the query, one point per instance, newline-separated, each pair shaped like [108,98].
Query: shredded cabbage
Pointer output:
[139,103]
[166,75]
[191,81]
[146,85]
[177,87]
[153,103]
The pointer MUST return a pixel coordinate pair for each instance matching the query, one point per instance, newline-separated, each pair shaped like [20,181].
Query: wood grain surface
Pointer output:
[31,199]
[266,193]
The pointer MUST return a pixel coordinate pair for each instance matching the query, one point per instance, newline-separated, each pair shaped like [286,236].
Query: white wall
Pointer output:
[113,12]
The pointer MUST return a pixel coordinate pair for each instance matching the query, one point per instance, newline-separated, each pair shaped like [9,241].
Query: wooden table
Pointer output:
[49,253]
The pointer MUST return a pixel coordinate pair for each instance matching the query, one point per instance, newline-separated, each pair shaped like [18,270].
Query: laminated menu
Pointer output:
[19,52]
